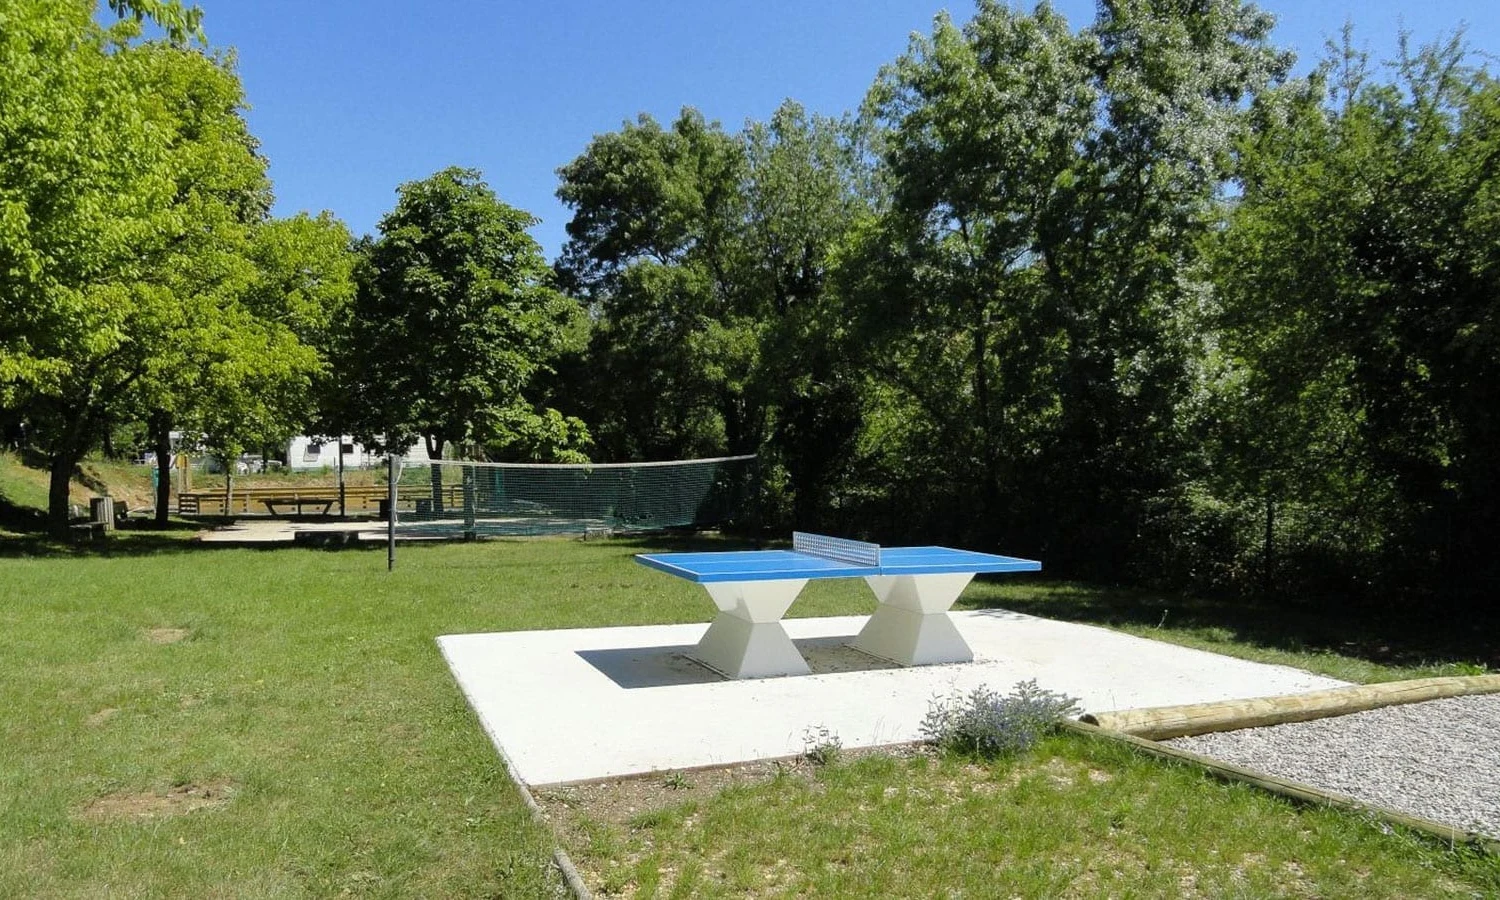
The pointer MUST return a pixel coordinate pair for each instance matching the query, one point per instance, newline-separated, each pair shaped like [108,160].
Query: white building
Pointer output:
[322,452]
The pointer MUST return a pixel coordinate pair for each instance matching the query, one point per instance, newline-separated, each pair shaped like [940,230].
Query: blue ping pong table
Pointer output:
[915,587]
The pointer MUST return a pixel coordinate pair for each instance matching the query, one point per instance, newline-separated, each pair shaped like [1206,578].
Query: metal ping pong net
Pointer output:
[859,553]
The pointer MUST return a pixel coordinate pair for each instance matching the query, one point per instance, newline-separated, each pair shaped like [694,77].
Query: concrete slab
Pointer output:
[570,705]
[285,531]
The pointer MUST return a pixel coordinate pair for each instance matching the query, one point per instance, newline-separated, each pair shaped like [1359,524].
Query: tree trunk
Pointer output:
[61,465]
[469,505]
[734,423]
[1267,574]
[989,493]
[161,436]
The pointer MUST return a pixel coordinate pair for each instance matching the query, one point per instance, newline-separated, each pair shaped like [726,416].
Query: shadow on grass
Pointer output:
[1396,637]
[20,519]
[1400,637]
[135,537]
[174,539]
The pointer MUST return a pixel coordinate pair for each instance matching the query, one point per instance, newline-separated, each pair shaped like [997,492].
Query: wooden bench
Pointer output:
[93,532]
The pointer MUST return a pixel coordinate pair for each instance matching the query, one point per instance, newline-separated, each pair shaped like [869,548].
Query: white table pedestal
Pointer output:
[746,639]
[911,625]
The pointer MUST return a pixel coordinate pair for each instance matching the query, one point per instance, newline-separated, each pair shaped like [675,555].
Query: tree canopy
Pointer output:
[138,268]
[455,320]
[1355,377]
[1122,294]
[127,176]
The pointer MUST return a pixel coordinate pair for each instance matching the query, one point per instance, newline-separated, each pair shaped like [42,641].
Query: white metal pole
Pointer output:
[390,512]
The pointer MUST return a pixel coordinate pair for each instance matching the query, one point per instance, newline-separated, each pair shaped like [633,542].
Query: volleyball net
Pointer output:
[454,497]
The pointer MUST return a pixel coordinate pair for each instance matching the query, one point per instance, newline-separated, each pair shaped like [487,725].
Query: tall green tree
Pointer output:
[1357,364]
[987,124]
[250,364]
[806,187]
[266,373]
[705,257]
[304,286]
[126,176]
[653,250]
[1049,187]
[455,322]
[223,373]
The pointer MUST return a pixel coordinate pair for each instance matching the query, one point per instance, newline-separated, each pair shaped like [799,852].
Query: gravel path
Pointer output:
[1439,760]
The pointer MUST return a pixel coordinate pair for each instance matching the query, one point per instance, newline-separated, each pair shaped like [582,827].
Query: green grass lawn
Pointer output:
[307,696]
[1076,817]
[295,701]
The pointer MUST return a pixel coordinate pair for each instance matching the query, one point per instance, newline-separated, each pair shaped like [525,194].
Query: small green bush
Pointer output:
[988,724]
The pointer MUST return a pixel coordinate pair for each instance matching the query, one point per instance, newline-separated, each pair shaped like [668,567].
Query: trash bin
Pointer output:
[102,512]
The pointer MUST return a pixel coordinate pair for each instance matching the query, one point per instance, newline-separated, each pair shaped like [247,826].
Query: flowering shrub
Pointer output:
[989,724]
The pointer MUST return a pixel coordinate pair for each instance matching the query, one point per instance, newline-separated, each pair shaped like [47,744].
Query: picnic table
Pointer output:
[299,500]
[752,589]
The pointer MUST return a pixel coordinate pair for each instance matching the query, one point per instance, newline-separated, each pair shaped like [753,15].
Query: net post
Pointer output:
[390,510]
[469,516]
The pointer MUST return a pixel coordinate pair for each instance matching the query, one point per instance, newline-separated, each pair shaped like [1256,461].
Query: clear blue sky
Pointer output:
[349,98]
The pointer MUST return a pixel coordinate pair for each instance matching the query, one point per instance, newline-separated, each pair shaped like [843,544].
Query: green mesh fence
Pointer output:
[473,498]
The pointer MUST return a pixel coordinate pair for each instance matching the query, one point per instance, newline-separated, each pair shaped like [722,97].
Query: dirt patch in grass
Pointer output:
[144,805]
[618,801]
[167,635]
[100,717]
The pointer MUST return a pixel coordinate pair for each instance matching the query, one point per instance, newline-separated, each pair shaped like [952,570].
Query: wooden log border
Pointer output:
[1159,723]
[1304,794]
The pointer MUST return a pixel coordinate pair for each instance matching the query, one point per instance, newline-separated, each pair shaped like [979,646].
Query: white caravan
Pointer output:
[323,453]
[305,453]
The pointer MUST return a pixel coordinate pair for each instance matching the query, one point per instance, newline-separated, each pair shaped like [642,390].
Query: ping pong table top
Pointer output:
[786,565]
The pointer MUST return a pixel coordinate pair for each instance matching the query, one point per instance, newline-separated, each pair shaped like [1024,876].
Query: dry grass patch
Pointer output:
[102,716]
[625,800]
[167,635]
[148,805]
